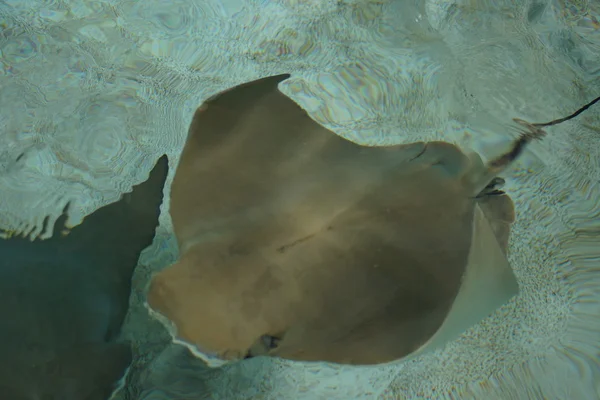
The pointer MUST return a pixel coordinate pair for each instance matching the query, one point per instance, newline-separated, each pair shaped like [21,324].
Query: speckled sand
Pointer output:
[95,92]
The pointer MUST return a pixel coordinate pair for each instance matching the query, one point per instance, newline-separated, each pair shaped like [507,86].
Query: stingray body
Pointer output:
[63,300]
[297,243]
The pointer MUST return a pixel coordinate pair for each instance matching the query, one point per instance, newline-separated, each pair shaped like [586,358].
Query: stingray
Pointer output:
[300,244]
[63,300]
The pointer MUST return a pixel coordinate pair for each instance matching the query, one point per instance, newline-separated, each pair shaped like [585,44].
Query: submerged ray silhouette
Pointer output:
[63,300]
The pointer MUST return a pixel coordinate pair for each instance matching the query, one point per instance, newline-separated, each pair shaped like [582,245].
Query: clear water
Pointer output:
[92,93]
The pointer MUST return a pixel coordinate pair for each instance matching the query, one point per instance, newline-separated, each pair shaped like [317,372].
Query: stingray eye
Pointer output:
[495,193]
[270,342]
[263,345]
[493,188]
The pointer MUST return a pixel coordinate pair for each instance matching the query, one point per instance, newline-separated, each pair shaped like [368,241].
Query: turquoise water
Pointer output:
[93,94]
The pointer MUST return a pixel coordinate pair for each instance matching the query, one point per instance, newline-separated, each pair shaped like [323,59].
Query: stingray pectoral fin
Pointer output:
[487,284]
[250,146]
[205,309]
[245,93]
[221,112]
[499,210]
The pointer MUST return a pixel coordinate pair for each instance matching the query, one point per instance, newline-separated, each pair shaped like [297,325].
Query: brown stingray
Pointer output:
[63,300]
[297,243]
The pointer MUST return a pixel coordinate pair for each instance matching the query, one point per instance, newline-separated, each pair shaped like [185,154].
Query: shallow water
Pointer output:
[93,94]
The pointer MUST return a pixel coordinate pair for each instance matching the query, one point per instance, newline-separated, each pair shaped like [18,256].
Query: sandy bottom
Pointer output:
[109,88]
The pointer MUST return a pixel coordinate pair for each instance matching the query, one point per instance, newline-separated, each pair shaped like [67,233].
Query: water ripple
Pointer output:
[93,92]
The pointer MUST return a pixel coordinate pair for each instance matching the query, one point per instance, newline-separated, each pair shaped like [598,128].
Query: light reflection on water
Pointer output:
[96,90]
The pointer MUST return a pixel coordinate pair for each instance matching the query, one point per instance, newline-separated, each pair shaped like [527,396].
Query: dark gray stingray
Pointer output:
[63,300]
[298,243]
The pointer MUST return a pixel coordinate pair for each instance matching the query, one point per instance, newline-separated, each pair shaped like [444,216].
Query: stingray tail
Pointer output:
[488,179]
[485,181]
